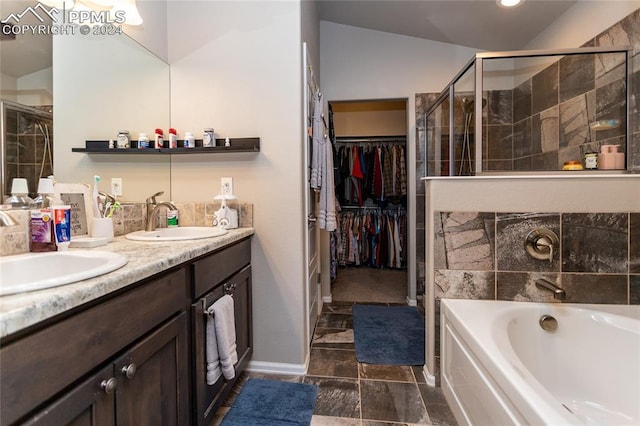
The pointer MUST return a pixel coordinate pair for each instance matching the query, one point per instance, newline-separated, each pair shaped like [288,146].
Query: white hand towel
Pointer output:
[211,350]
[226,335]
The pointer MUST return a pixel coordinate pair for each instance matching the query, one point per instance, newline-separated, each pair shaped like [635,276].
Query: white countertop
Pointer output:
[19,311]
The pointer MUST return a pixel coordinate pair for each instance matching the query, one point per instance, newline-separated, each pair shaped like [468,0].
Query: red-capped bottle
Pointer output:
[159,143]
[173,138]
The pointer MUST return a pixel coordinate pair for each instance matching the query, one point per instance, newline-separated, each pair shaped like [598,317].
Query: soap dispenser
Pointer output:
[225,216]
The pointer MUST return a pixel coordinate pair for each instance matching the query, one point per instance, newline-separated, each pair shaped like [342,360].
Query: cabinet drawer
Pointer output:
[35,368]
[213,269]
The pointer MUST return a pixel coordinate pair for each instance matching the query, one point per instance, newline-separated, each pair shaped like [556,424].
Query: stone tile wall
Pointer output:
[482,256]
[504,107]
[131,217]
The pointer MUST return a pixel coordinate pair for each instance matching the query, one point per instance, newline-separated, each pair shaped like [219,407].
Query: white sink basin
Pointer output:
[36,271]
[176,234]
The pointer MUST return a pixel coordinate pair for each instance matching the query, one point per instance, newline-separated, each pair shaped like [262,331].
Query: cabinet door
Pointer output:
[91,403]
[153,378]
[239,286]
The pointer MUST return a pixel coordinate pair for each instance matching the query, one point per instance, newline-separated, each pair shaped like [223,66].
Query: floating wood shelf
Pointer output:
[237,145]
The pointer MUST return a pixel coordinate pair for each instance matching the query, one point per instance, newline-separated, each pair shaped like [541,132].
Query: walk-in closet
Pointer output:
[369,250]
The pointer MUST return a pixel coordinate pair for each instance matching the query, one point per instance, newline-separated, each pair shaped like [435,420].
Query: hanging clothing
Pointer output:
[372,238]
[322,176]
[370,171]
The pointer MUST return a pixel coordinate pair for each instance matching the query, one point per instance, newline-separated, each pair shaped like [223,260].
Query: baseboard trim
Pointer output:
[279,368]
[430,378]
[412,302]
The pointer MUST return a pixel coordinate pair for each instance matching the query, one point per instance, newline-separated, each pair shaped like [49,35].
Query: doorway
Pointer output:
[369,251]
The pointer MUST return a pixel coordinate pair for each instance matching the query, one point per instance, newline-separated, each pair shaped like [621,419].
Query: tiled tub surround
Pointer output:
[475,241]
[144,260]
[481,255]
[131,217]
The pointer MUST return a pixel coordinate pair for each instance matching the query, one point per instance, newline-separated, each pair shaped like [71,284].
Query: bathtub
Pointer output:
[499,367]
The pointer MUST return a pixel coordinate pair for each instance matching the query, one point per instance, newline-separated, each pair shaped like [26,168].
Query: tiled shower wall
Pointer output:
[25,147]
[552,110]
[624,33]
[481,255]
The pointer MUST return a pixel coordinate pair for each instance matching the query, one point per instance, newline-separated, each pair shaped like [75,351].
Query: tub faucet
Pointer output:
[7,220]
[152,209]
[558,293]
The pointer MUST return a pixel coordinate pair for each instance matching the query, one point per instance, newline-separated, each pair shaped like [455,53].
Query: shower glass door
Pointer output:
[437,152]
[463,124]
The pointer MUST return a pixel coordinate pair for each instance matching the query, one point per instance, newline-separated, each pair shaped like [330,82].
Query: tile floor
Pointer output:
[352,393]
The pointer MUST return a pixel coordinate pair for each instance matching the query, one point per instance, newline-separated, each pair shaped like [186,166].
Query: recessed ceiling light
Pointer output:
[509,3]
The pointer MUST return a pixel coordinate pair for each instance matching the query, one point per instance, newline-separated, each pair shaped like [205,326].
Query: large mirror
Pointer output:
[91,86]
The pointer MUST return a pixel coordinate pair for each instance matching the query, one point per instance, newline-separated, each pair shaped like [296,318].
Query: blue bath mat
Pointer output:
[272,403]
[388,335]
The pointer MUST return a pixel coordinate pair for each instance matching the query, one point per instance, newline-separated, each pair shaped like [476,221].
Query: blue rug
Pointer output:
[388,335]
[271,403]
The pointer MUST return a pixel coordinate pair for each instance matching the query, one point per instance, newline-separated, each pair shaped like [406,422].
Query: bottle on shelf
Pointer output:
[143,141]
[173,138]
[189,140]
[159,139]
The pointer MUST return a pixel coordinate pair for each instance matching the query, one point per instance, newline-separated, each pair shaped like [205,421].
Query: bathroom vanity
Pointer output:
[127,347]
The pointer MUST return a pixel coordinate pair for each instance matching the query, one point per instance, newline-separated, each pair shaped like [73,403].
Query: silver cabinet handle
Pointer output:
[129,370]
[109,385]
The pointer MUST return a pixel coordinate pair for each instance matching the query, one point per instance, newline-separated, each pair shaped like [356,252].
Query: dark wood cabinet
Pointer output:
[148,385]
[226,272]
[153,378]
[132,358]
[88,404]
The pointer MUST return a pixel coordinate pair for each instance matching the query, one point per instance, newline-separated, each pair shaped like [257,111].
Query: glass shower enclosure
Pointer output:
[26,143]
[529,111]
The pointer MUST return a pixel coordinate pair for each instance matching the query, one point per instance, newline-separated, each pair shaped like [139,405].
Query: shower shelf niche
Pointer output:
[237,145]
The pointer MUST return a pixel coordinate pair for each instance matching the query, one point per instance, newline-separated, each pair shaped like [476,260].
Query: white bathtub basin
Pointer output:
[176,234]
[37,271]
[500,367]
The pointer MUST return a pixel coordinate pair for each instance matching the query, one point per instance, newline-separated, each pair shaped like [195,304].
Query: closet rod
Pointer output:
[350,139]
[390,208]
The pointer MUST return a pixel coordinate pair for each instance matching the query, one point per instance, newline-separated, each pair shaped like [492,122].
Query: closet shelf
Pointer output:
[237,145]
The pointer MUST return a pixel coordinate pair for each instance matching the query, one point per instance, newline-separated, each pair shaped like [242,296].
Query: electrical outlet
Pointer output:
[116,187]
[227,185]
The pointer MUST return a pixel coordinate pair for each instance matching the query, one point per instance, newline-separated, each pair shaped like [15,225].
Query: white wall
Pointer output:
[582,22]
[361,64]
[8,87]
[103,84]
[238,69]
[152,34]
[36,88]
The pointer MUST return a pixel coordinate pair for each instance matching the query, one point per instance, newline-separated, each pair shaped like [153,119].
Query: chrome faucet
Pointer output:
[7,220]
[558,293]
[152,209]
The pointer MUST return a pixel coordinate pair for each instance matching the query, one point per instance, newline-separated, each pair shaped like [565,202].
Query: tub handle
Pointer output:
[542,244]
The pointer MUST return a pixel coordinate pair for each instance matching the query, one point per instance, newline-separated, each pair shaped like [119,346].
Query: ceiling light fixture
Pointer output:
[509,3]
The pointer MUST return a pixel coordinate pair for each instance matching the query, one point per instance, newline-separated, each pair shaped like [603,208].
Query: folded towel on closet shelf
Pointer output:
[222,316]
